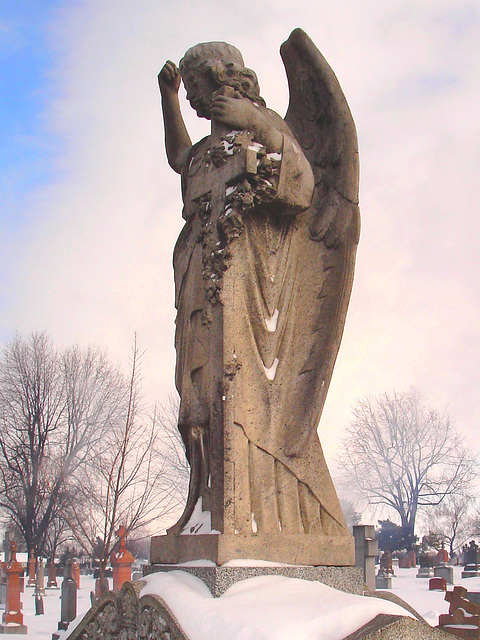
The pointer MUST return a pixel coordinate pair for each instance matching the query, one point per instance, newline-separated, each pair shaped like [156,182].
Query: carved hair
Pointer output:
[224,64]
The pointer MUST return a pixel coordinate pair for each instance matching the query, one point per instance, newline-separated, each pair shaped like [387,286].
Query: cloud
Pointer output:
[94,262]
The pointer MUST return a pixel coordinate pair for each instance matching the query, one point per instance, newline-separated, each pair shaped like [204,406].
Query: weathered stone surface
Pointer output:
[445,572]
[219,579]
[387,627]
[123,616]
[263,272]
[12,618]
[308,549]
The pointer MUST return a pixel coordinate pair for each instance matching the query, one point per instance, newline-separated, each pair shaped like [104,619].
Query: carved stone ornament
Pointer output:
[124,616]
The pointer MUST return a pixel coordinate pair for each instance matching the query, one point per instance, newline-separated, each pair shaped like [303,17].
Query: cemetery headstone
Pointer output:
[426,562]
[437,584]
[12,618]
[471,561]
[121,560]
[386,563]
[52,574]
[76,572]
[39,607]
[68,609]
[40,578]
[443,568]
[463,617]
[383,579]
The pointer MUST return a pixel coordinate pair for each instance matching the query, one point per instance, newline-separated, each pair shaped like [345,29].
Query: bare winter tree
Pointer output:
[451,521]
[130,484]
[172,450]
[54,411]
[402,455]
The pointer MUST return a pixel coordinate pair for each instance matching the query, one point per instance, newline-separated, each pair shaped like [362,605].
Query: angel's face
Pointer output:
[200,88]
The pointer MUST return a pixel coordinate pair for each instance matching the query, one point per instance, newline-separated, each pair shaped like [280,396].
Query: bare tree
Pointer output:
[451,521]
[54,409]
[129,485]
[172,450]
[402,455]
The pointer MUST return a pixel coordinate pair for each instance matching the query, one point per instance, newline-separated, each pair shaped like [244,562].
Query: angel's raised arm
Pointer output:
[177,140]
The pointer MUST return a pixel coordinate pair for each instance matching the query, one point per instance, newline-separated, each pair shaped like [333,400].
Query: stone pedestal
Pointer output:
[308,549]
[445,572]
[470,571]
[219,579]
[366,548]
[12,619]
[425,572]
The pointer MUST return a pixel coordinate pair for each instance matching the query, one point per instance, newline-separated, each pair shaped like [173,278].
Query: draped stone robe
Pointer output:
[241,371]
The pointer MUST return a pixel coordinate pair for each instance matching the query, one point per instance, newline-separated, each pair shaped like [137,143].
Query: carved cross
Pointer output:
[121,533]
[458,599]
[230,158]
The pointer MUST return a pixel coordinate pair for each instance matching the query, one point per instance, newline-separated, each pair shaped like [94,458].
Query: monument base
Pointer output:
[444,572]
[296,549]
[18,629]
[219,579]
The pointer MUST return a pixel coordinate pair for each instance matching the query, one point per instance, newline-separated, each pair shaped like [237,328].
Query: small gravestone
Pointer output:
[386,563]
[383,579]
[437,584]
[426,562]
[39,607]
[442,566]
[471,561]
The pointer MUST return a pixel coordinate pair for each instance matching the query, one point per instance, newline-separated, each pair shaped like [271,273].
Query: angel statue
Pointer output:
[263,273]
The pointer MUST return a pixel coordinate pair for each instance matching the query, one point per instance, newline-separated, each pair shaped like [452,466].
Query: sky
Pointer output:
[90,210]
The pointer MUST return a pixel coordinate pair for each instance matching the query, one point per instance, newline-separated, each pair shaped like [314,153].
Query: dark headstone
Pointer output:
[68,610]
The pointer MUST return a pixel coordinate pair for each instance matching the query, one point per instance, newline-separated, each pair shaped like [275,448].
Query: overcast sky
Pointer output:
[90,209]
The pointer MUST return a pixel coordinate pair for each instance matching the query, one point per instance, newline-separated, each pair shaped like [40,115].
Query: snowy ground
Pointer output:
[405,584]
[429,604]
[42,627]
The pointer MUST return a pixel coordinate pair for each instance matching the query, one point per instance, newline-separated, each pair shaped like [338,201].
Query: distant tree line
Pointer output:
[79,454]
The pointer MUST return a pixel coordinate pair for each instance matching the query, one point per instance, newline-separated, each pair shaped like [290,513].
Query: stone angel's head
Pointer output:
[208,66]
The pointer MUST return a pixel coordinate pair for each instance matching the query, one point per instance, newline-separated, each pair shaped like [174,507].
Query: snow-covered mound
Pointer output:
[267,607]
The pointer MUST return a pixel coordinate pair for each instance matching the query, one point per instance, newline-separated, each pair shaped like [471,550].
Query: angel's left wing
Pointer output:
[319,117]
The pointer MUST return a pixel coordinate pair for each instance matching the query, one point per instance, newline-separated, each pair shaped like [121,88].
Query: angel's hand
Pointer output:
[236,112]
[240,113]
[169,78]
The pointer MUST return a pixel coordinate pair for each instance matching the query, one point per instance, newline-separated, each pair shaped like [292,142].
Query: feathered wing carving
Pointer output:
[320,119]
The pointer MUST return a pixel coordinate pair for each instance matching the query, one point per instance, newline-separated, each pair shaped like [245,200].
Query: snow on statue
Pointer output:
[263,275]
